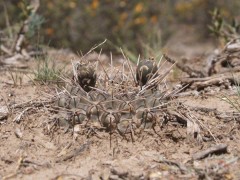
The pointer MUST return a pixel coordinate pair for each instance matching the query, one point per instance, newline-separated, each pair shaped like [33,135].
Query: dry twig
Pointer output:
[75,152]
[218,149]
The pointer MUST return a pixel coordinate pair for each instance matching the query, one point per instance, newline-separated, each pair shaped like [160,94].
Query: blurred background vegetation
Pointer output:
[135,25]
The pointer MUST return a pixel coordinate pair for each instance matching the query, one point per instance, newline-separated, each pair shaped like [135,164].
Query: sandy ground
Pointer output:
[34,148]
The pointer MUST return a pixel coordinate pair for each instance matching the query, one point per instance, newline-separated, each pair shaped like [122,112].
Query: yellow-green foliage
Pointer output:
[198,10]
[85,23]
[129,23]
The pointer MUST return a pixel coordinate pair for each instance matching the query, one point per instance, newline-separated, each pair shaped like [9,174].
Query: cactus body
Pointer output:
[124,109]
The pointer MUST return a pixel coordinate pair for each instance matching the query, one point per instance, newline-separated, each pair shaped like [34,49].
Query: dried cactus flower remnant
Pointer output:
[86,76]
[146,69]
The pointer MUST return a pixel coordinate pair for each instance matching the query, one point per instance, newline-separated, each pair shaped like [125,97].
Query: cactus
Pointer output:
[115,102]
[86,76]
[146,70]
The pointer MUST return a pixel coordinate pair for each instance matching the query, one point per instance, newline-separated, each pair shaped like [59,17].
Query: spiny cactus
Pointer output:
[146,70]
[115,102]
[86,76]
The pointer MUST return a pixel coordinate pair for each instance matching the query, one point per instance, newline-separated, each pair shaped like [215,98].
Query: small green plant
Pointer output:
[222,29]
[34,20]
[35,24]
[48,71]
[234,102]
[153,45]
[149,48]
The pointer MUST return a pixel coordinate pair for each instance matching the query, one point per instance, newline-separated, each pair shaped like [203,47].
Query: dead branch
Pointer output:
[68,176]
[19,116]
[233,47]
[31,103]
[5,50]
[13,60]
[34,5]
[225,116]
[180,118]
[218,149]
[74,152]
[188,70]
[180,166]
[219,79]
